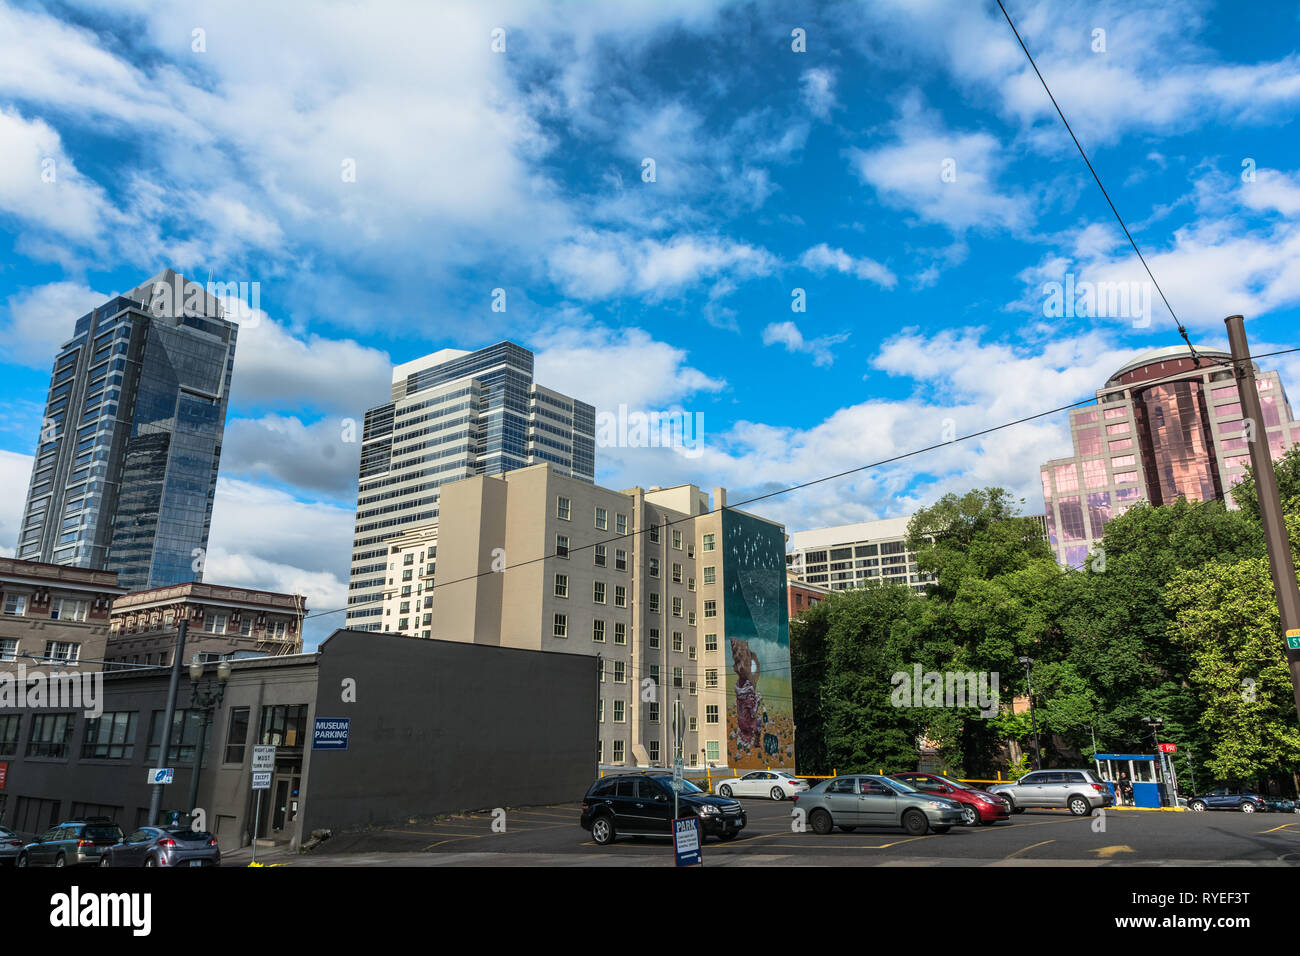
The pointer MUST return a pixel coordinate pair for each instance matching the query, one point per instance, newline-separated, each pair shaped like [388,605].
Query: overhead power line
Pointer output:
[1182,330]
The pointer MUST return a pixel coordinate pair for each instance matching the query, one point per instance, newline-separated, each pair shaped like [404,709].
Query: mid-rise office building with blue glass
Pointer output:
[452,415]
[125,471]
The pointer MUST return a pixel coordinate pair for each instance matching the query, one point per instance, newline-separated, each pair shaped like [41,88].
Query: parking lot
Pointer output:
[550,835]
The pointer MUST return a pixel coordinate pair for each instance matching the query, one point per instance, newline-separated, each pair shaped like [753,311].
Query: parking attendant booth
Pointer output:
[1144,772]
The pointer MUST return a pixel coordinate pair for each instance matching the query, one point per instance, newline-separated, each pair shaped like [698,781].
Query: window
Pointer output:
[600,751]
[598,592]
[653,637]
[710,609]
[710,642]
[653,717]
[562,546]
[620,524]
[620,596]
[707,543]
[654,674]
[50,736]
[598,631]
[15,603]
[602,519]
[9,734]
[66,609]
[600,711]
[620,632]
[236,735]
[690,618]
[690,584]
[215,624]
[620,672]
[677,607]
[677,539]
[284,725]
[653,602]
[710,713]
[693,690]
[600,555]
[62,651]
[8,648]
[620,711]
[692,723]
[711,751]
[561,627]
[653,532]
[600,669]
[561,585]
[677,573]
[620,559]
[618,751]
[690,652]
[562,508]
[654,567]
[711,677]
[653,748]
[679,679]
[710,575]
[109,737]
[677,641]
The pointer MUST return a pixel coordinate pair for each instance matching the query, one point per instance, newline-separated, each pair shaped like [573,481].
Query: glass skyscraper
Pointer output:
[1163,428]
[126,464]
[452,415]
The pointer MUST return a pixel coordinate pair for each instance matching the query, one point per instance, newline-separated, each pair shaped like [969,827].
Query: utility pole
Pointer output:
[155,799]
[1270,502]
[1033,719]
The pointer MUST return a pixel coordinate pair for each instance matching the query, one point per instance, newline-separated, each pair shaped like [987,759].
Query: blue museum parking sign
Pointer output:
[331,733]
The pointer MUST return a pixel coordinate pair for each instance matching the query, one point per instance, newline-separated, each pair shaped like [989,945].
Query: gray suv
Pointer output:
[74,843]
[1079,791]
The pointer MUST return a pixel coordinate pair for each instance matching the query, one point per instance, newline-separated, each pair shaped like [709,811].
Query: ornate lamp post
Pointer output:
[205,697]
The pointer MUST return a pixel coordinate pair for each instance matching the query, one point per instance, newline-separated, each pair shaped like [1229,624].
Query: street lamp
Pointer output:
[205,697]
[1028,662]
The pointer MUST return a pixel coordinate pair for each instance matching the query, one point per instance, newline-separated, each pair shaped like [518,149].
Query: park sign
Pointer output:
[686,841]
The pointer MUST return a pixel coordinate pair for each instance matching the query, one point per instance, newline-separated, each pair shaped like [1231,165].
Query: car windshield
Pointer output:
[190,836]
[687,786]
[901,787]
[103,833]
[955,784]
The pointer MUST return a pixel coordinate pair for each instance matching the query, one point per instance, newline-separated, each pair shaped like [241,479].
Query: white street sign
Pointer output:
[263,759]
[262,780]
[161,775]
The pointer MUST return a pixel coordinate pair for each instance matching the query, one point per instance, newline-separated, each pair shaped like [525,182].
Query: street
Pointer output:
[550,835]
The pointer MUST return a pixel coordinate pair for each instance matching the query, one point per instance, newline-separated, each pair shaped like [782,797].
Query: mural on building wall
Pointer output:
[760,713]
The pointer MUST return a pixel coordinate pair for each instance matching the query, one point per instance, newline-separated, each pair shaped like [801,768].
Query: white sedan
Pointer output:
[774,784]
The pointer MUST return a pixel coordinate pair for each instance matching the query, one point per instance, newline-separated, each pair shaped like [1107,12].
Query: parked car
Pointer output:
[73,843]
[773,784]
[10,844]
[1228,798]
[1280,805]
[978,807]
[164,846]
[1079,791]
[637,804]
[868,800]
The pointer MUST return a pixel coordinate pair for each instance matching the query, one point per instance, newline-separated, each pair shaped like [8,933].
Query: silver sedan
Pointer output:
[868,800]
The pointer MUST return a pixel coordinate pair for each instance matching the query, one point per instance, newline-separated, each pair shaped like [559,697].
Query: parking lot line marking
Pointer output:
[1282,827]
[1024,848]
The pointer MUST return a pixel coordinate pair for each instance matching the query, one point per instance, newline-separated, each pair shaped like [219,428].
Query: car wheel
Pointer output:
[915,823]
[602,830]
[1247,807]
[724,791]
[22,860]
[1080,806]
[969,815]
[821,822]
[103,860]
[1197,805]
[728,835]
[848,829]
[60,860]
[942,829]
[778,793]
[150,861]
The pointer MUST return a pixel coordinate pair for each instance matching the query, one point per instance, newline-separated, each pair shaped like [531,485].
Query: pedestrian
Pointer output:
[1124,791]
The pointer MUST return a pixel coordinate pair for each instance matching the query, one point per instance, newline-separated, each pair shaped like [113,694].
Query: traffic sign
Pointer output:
[331,733]
[1169,748]
[263,759]
[1293,639]
[262,780]
[161,775]
[686,841]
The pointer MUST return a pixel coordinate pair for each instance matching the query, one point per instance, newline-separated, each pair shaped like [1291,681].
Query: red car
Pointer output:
[977,806]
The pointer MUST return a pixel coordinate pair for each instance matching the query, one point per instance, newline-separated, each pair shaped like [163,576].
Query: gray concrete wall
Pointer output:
[442,726]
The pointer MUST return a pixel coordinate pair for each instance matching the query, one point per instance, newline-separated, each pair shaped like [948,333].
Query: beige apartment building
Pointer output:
[224,622]
[54,614]
[682,598]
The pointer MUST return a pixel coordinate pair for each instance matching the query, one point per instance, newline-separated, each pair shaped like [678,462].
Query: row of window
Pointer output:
[712,753]
[56,652]
[61,609]
[564,511]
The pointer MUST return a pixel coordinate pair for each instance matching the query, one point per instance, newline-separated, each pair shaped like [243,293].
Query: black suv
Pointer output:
[642,804]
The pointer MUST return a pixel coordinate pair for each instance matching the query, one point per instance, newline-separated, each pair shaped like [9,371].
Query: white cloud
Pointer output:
[41,319]
[15,475]
[822,257]
[817,87]
[320,458]
[788,334]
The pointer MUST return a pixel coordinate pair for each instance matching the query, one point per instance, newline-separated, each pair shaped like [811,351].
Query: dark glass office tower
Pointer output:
[126,465]
[453,414]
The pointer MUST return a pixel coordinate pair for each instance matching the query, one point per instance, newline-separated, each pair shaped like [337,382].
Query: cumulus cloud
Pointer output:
[321,457]
[788,334]
[821,258]
[817,88]
[15,475]
[41,319]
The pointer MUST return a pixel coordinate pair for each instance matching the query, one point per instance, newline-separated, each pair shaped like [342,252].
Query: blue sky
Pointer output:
[906,171]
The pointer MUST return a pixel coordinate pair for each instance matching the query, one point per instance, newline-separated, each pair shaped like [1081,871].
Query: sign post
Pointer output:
[262,768]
